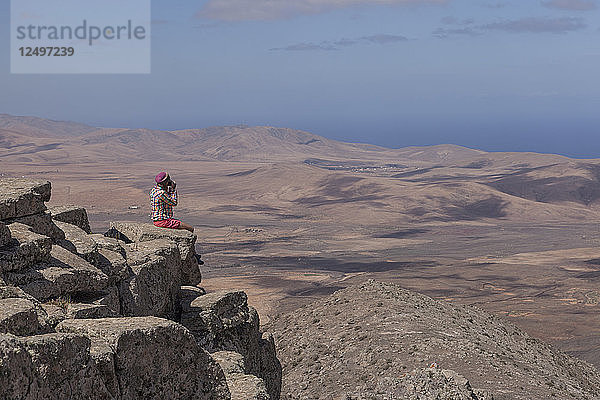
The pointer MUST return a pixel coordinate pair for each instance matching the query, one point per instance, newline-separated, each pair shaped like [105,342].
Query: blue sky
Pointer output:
[516,75]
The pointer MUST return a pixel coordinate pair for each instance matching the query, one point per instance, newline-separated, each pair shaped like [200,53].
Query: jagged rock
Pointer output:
[51,366]
[150,358]
[32,326]
[241,385]
[185,240]
[113,265]
[433,383]
[109,243]
[269,367]
[110,298]
[113,233]
[64,274]
[77,241]
[210,315]
[224,321]
[71,215]
[58,313]
[89,311]
[5,236]
[247,387]
[22,197]
[230,361]
[26,248]
[42,224]
[189,293]
[19,317]
[153,289]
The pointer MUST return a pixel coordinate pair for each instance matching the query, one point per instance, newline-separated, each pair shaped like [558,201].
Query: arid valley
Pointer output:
[290,217]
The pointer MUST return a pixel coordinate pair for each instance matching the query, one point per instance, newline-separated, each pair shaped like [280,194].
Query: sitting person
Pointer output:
[163,198]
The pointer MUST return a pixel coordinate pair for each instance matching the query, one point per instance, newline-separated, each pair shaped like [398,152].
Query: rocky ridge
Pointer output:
[379,341]
[86,316]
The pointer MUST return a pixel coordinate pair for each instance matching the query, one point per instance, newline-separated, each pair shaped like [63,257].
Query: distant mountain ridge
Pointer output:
[225,143]
[443,182]
[34,126]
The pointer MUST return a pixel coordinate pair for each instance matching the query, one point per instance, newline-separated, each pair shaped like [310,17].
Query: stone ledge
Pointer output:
[185,240]
[50,367]
[71,215]
[41,224]
[20,197]
[135,352]
[18,316]
[64,274]
[77,241]
[25,249]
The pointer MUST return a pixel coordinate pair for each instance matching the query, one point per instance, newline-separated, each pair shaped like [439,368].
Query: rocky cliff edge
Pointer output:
[85,316]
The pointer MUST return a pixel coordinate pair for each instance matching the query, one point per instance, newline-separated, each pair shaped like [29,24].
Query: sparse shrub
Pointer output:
[63,302]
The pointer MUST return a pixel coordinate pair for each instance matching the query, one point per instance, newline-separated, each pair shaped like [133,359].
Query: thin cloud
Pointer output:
[538,25]
[523,25]
[447,32]
[572,5]
[306,47]
[382,39]
[455,21]
[243,10]
[344,42]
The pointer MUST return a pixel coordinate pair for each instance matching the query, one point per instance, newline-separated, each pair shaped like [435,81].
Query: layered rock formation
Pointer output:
[87,316]
[379,341]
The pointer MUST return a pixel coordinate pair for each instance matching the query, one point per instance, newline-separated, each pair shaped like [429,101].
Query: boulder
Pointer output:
[210,316]
[269,367]
[64,274]
[42,224]
[230,361]
[186,241]
[39,325]
[77,241]
[150,358]
[71,215]
[241,385]
[19,317]
[21,197]
[5,236]
[26,248]
[153,289]
[223,321]
[51,366]
[109,243]
[113,265]
[110,298]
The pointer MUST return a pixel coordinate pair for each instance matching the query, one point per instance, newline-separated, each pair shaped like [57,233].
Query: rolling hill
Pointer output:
[297,170]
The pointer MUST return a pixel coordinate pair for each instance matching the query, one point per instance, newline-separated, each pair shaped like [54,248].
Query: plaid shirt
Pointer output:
[162,203]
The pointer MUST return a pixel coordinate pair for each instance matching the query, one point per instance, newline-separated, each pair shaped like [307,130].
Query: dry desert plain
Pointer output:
[289,216]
